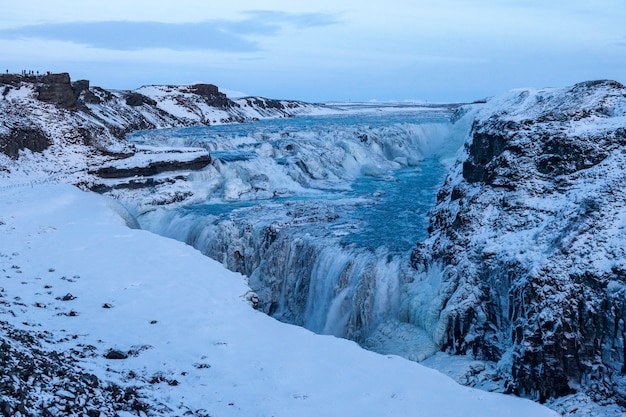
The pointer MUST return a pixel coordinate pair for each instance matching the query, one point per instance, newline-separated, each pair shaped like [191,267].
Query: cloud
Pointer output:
[132,36]
[299,20]
[217,35]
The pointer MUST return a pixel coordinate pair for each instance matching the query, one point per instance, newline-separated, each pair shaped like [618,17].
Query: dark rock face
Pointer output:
[527,238]
[80,87]
[135,99]
[57,89]
[206,90]
[212,95]
[20,138]
[265,103]
[154,168]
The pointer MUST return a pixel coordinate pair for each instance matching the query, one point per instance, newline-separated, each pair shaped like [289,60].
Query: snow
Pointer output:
[145,155]
[234,94]
[185,318]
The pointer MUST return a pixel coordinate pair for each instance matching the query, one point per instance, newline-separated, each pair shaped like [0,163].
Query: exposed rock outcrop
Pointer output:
[135,99]
[18,138]
[56,89]
[153,168]
[212,95]
[527,242]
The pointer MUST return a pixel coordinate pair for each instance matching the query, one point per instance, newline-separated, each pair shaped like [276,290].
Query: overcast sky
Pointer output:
[322,50]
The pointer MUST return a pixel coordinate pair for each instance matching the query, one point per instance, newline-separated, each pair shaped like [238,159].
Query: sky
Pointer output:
[326,50]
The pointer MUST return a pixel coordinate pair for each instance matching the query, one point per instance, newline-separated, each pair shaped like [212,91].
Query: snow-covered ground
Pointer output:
[72,267]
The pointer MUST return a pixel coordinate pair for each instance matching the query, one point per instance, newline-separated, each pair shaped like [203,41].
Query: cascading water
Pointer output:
[320,213]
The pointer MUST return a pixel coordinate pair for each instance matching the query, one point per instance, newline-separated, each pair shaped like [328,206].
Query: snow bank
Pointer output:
[72,267]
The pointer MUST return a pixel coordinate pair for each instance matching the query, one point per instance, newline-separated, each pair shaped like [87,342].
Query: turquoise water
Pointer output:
[321,213]
[390,212]
[398,218]
[385,210]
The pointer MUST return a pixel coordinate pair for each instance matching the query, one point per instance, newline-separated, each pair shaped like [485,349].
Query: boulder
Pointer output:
[212,95]
[135,99]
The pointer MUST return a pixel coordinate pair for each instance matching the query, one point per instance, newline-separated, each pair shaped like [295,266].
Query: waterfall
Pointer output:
[321,216]
[301,277]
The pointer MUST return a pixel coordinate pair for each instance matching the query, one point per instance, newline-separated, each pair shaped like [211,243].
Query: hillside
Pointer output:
[74,129]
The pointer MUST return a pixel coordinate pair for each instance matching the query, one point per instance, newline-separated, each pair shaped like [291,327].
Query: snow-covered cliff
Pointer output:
[72,128]
[525,263]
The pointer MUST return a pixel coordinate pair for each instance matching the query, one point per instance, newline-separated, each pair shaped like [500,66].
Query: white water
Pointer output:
[321,214]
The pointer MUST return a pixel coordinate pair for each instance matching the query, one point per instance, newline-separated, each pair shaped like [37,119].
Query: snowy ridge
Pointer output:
[525,260]
[71,127]
[155,328]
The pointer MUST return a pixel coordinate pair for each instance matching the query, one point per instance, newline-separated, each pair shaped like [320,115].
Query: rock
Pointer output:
[523,237]
[135,99]
[57,89]
[264,103]
[207,90]
[36,381]
[10,79]
[253,299]
[116,354]
[154,168]
[80,86]
[90,97]
[62,393]
[212,95]
[23,137]
[5,408]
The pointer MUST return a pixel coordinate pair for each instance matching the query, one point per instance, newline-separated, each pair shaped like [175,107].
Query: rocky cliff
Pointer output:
[58,127]
[526,248]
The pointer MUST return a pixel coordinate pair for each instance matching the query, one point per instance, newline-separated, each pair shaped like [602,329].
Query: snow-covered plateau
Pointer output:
[518,270]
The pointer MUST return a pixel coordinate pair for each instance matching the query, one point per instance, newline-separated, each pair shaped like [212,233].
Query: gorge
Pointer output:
[519,261]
